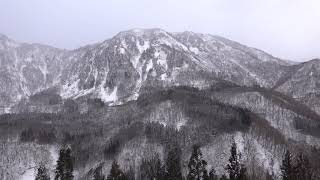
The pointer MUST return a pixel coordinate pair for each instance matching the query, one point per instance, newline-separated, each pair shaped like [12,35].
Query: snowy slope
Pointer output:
[303,83]
[118,69]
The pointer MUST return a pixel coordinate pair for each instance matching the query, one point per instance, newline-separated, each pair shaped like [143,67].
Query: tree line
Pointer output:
[153,168]
[292,168]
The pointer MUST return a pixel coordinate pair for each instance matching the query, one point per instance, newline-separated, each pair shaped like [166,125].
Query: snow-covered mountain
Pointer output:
[116,69]
[119,67]
[199,87]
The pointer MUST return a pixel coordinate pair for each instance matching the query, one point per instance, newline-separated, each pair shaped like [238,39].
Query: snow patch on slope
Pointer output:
[162,59]
[139,65]
[122,51]
[265,158]
[107,96]
[180,124]
[149,65]
[143,47]
[194,50]
[171,42]
[163,76]
[44,71]
[239,140]
[69,90]
[29,175]
[84,92]
[262,156]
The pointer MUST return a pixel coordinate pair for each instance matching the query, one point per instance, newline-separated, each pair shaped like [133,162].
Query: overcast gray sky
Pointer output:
[288,29]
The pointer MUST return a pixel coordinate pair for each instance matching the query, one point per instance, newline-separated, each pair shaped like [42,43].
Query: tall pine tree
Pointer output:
[173,166]
[236,170]
[98,174]
[60,165]
[68,165]
[115,172]
[197,165]
[287,167]
[42,173]
[64,168]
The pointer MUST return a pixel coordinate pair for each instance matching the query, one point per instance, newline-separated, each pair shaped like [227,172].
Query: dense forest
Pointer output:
[178,133]
[292,168]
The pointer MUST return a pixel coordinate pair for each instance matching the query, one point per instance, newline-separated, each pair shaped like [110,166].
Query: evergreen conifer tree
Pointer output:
[98,174]
[68,165]
[197,165]
[287,167]
[115,172]
[173,167]
[236,170]
[59,172]
[64,168]
[42,173]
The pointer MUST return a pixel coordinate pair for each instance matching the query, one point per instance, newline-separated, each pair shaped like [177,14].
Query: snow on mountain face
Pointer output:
[120,67]
[233,61]
[117,69]
[26,69]
[303,83]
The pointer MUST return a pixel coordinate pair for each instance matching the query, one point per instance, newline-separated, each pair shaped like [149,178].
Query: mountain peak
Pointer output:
[141,32]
